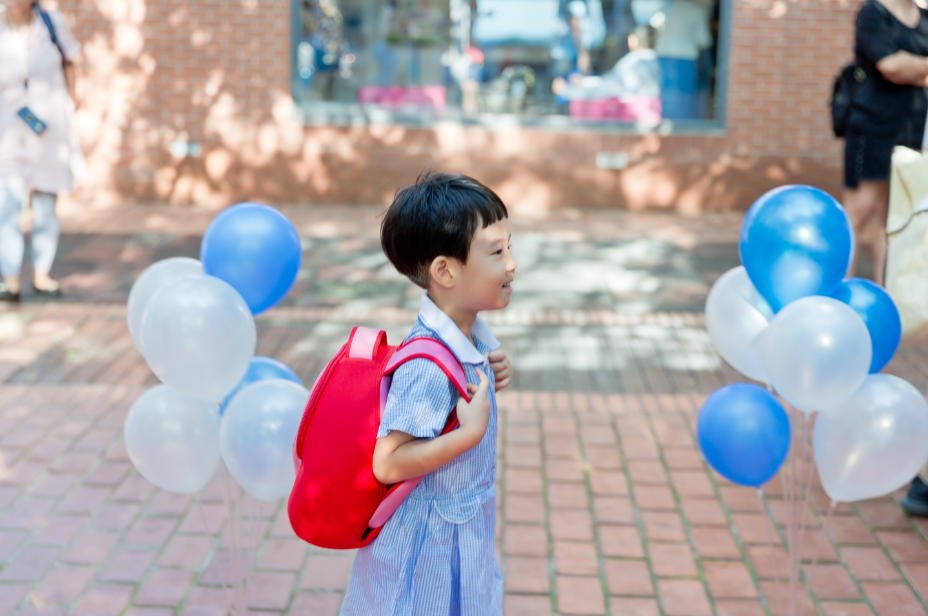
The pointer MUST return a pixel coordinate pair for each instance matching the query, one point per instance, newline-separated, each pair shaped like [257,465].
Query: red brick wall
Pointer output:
[217,72]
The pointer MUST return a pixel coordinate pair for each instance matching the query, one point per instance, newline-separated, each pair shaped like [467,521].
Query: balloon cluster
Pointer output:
[790,319]
[193,321]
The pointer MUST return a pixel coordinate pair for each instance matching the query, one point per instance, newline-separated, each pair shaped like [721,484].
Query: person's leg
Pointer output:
[869,198]
[11,236]
[916,501]
[879,241]
[45,232]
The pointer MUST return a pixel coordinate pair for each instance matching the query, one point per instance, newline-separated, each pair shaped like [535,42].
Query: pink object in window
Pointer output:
[645,109]
[401,96]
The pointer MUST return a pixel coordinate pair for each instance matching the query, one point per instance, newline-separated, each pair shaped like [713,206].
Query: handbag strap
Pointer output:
[47,20]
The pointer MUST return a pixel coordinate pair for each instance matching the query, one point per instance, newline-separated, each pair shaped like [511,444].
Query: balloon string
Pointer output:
[787,500]
[808,486]
[257,537]
[235,556]
[219,565]
[798,504]
[773,554]
[251,549]
[818,545]
[238,496]
[793,524]
[246,524]
[251,545]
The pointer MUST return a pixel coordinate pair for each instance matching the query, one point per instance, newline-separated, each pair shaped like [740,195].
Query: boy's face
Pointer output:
[490,268]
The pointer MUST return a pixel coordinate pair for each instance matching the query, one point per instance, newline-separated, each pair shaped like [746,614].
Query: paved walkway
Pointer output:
[605,506]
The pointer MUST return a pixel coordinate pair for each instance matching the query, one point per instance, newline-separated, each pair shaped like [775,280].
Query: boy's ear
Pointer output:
[443,272]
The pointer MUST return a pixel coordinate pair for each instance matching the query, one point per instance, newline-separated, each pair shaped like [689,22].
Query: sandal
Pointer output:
[46,293]
[916,501]
[6,295]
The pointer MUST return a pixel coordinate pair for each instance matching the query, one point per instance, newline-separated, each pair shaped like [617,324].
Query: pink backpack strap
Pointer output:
[435,351]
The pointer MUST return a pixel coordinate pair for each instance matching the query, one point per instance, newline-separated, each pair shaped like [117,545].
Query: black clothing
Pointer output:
[916,501]
[881,106]
[884,113]
[868,157]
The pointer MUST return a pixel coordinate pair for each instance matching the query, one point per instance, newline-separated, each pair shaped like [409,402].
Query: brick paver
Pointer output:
[605,505]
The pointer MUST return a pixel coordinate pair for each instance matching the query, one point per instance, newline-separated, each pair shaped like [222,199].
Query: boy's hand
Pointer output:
[475,415]
[502,369]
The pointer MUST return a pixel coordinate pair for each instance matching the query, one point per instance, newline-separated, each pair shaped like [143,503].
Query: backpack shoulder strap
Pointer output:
[47,19]
[435,351]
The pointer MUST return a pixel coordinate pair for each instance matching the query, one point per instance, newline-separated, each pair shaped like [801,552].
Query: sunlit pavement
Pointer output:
[605,506]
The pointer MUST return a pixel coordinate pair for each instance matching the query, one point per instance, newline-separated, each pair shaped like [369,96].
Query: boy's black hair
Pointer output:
[436,216]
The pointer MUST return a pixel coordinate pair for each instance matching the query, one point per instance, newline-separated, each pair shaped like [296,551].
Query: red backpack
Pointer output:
[336,501]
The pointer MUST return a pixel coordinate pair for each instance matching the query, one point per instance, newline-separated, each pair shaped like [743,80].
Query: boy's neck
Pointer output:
[463,318]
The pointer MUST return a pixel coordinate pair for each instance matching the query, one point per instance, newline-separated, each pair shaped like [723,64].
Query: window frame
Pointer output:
[353,114]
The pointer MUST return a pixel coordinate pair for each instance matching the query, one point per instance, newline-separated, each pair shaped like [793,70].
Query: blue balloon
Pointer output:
[796,241]
[257,250]
[261,369]
[879,313]
[744,433]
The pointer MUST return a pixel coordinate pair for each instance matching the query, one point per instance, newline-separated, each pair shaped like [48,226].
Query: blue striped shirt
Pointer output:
[436,556]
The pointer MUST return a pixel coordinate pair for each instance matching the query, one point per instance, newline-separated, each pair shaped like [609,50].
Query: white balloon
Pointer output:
[875,442]
[152,279]
[173,439]
[256,437]
[817,352]
[737,317]
[199,336]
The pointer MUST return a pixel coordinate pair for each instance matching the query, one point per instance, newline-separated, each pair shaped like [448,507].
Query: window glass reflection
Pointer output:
[630,61]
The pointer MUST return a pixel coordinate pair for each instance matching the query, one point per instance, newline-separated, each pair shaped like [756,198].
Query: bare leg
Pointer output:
[861,203]
[12,283]
[879,242]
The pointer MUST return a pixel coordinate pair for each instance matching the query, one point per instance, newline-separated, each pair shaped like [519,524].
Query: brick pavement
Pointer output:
[605,506]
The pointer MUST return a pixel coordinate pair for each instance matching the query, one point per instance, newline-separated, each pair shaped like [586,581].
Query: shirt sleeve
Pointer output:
[420,399]
[69,44]
[876,37]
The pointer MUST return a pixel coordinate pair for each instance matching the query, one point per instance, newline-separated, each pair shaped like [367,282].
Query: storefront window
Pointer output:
[617,61]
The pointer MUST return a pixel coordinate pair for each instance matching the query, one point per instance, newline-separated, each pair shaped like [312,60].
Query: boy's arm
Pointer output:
[400,456]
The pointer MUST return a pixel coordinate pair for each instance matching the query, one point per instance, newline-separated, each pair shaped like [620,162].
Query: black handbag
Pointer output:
[842,95]
[846,83]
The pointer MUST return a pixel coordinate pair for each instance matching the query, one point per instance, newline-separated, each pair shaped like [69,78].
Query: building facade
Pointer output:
[219,101]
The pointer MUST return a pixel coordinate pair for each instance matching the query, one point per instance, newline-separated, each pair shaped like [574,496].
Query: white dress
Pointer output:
[31,76]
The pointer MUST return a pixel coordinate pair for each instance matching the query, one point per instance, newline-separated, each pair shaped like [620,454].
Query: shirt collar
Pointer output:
[435,319]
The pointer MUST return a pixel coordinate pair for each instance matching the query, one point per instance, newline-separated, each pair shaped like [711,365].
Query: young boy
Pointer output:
[436,556]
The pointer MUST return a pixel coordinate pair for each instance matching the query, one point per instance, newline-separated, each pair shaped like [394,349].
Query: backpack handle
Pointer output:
[365,342]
